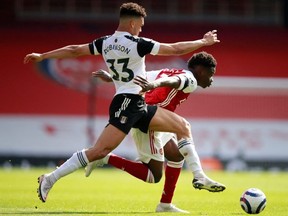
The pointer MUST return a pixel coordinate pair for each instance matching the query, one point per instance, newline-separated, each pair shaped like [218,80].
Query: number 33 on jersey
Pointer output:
[124,55]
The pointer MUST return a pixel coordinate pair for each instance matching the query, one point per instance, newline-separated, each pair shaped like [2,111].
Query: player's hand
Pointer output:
[103,75]
[144,84]
[210,38]
[33,57]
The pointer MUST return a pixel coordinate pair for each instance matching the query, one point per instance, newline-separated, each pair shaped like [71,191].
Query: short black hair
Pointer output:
[202,58]
[132,9]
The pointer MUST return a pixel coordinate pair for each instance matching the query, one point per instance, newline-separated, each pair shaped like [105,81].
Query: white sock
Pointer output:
[106,158]
[187,149]
[78,160]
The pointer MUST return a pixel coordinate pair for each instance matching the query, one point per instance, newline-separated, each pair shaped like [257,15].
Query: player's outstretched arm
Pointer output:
[103,75]
[184,47]
[172,82]
[70,51]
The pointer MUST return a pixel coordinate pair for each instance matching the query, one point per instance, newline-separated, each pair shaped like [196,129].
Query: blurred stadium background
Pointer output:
[50,110]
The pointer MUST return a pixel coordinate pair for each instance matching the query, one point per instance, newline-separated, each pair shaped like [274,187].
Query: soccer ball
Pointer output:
[253,201]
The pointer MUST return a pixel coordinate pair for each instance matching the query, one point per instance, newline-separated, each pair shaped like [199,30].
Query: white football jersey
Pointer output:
[124,56]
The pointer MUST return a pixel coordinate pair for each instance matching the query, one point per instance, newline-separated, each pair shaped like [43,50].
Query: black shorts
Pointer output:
[130,110]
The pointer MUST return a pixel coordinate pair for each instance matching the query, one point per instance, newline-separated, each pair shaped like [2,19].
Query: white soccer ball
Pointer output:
[253,201]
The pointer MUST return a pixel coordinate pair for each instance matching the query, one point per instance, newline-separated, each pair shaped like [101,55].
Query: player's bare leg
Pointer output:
[186,147]
[163,120]
[167,121]
[109,139]
[145,169]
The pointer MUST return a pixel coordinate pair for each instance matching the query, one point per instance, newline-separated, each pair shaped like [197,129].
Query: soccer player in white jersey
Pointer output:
[124,54]
[174,87]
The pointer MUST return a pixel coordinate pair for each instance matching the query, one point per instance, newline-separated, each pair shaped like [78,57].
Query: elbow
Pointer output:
[178,51]
[74,50]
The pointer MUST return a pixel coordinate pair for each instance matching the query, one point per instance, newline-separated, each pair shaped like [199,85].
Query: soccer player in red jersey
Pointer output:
[167,88]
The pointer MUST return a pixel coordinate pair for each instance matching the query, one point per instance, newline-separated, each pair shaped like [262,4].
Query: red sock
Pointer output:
[171,178]
[136,169]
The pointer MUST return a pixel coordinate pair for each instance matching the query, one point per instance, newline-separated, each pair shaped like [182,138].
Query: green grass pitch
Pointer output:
[114,192]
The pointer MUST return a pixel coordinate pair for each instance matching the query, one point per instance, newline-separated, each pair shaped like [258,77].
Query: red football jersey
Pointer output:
[170,98]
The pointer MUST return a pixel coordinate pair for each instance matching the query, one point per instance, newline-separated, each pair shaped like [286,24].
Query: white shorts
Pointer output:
[150,145]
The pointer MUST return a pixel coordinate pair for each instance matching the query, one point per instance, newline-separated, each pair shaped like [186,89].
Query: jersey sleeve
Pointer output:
[188,83]
[95,47]
[146,46]
[152,75]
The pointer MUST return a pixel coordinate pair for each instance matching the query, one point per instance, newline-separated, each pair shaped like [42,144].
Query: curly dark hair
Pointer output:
[202,58]
[132,9]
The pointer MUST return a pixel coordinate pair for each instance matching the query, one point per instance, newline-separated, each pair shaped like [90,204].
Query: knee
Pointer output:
[173,154]
[186,126]
[185,129]
[177,157]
